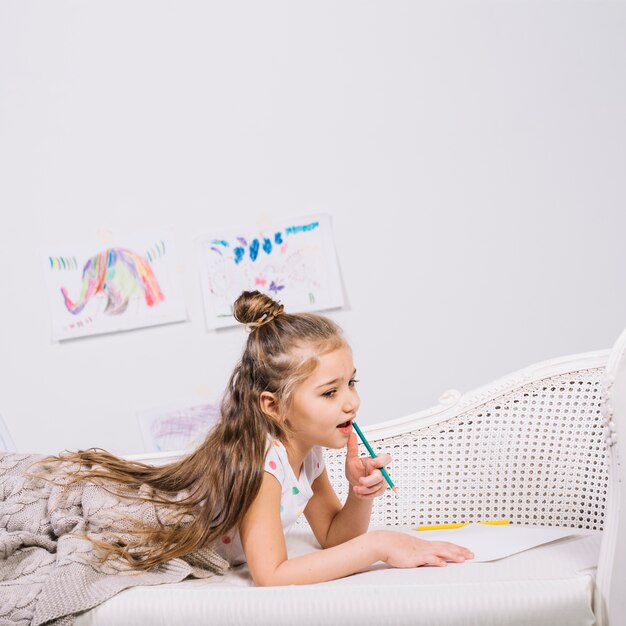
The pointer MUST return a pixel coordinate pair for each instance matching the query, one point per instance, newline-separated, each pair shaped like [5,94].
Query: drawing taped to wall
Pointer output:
[94,289]
[176,428]
[294,261]
[6,442]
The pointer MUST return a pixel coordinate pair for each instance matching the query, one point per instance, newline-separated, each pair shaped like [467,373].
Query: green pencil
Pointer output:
[383,471]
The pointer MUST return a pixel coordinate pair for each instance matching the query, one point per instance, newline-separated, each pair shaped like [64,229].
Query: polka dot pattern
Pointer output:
[296,490]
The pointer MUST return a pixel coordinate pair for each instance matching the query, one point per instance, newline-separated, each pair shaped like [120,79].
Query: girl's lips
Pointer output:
[347,429]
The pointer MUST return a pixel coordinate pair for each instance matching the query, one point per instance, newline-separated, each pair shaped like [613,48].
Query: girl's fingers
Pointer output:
[441,557]
[452,552]
[370,492]
[433,559]
[371,465]
[372,479]
[370,486]
[456,550]
[453,556]
[352,448]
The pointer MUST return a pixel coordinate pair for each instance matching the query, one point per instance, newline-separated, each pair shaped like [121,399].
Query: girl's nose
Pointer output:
[351,403]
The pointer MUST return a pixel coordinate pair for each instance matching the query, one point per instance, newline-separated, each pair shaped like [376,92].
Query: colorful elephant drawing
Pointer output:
[119,274]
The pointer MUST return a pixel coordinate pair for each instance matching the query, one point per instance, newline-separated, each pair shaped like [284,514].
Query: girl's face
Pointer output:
[324,405]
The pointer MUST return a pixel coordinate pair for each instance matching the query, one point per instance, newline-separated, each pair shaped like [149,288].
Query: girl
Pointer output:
[292,392]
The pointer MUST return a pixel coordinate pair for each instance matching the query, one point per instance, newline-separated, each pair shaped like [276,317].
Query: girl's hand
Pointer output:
[362,472]
[403,550]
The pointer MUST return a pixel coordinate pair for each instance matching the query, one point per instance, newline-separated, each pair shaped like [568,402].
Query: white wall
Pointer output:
[472,155]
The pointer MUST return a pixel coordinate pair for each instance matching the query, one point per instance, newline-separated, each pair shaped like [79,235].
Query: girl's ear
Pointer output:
[269,405]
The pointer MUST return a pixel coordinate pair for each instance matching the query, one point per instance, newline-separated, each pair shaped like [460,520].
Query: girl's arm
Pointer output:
[264,546]
[333,523]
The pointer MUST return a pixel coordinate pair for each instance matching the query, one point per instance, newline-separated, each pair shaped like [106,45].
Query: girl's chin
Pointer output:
[339,440]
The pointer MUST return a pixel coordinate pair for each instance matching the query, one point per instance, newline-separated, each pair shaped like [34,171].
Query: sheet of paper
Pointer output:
[6,443]
[177,426]
[292,260]
[109,282]
[489,543]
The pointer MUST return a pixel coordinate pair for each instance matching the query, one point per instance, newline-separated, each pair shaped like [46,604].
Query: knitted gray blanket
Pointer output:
[47,571]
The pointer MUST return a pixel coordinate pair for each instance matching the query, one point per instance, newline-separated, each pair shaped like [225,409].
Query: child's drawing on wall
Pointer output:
[293,261]
[171,429]
[120,274]
[116,288]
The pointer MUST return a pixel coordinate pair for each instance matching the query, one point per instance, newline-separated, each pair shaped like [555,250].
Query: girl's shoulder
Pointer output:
[277,462]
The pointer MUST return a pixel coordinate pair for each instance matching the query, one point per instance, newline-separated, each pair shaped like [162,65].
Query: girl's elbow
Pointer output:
[266,579]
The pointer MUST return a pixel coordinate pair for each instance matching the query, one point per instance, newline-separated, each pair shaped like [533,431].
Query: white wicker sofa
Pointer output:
[537,447]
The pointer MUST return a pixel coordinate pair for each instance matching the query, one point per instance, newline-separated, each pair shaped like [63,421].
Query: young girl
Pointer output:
[261,466]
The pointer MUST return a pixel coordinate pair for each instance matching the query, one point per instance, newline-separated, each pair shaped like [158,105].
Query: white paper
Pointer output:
[492,542]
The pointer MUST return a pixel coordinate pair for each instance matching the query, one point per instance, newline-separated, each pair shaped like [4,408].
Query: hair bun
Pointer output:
[254,309]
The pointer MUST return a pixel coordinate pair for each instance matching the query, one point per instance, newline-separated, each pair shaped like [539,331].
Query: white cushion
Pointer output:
[550,585]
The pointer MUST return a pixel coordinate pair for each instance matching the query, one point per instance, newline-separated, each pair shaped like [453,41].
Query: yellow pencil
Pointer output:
[496,522]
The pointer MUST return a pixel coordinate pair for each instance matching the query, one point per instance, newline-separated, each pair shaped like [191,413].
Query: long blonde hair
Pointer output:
[220,478]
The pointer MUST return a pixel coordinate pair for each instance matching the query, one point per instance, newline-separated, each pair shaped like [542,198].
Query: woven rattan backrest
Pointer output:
[533,455]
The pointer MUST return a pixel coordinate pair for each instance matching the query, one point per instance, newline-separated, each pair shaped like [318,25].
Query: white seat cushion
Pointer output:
[549,585]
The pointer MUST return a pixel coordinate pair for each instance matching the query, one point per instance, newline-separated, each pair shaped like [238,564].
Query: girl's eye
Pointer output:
[331,392]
